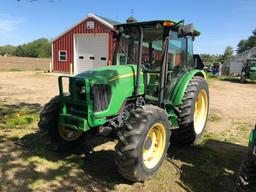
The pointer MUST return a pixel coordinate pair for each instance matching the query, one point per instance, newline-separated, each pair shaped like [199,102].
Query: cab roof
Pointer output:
[155,22]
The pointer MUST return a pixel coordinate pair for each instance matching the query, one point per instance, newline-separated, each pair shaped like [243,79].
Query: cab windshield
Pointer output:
[127,47]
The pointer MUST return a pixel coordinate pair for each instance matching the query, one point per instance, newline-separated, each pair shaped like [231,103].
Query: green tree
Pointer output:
[7,49]
[247,44]
[38,48]
[209,60]
[252,40]
[242,46]
[227,54]
[19,51]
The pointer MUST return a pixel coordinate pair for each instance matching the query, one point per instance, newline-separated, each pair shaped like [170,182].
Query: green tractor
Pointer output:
[248,70]
[154,87]
[246,179]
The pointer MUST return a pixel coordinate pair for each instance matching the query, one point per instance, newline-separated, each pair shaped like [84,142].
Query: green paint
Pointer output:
[78,108]
[180,87]
[81,123]
[251,145]
[250,69]
[252,73]
[172,116]
[252,137]
[121,79]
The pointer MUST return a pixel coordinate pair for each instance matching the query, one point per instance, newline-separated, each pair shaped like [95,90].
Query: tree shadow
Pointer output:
[212,166]
[236,80]
[11,109]
[29,163]
[94,170]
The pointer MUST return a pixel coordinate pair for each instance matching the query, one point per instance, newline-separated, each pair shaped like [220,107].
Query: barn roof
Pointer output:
[110,21]
[107,22]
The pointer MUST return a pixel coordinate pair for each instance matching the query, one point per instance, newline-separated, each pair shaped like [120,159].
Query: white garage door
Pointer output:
[91,51]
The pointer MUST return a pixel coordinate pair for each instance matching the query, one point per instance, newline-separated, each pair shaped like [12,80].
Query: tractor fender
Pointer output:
[179,91]
[252,142]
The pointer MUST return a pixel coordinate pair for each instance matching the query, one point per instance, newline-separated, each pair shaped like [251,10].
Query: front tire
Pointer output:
[143,143]
[193,112]
[49,123]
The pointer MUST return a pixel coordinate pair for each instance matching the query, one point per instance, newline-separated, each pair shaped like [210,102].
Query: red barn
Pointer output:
[85,45]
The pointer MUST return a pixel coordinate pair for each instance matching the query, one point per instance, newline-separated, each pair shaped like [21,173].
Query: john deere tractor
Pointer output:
[246,179]
[154,87]
[248,70]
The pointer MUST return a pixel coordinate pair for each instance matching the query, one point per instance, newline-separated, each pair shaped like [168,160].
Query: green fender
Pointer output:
[180,88]
[251,144]
[252,137]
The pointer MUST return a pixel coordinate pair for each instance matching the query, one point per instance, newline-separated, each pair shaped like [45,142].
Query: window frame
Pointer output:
[65,51]
[90,25]
[182,49]
[119,55]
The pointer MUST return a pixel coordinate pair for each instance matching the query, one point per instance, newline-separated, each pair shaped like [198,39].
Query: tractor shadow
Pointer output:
[211,166]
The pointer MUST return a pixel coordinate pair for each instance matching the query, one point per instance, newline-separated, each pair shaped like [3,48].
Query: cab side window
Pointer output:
[176,51]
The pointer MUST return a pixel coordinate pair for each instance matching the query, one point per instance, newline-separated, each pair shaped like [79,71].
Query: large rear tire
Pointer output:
[143,143]
[193,112]
[49,123]
[246,179]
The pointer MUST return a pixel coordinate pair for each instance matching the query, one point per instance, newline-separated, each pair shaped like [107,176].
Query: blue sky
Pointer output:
[221,22]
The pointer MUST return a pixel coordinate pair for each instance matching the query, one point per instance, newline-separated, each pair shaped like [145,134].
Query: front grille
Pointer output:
[101,96]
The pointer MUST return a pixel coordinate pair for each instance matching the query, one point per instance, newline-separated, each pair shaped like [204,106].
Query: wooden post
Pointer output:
[50,67]
[70,69]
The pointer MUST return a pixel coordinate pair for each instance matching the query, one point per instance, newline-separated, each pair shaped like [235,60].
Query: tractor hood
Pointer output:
[109,74]
[121,81]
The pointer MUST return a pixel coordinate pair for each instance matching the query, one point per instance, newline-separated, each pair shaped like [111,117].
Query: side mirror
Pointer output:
[185,30]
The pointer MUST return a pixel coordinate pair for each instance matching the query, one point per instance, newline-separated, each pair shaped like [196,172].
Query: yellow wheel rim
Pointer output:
[200,112]
[154,145]
[68,134]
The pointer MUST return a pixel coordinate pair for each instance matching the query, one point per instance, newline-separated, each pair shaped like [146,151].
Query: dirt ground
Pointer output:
[24,64]
[26,164]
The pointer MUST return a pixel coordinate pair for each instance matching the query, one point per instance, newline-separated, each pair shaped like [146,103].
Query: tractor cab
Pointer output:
[162,51]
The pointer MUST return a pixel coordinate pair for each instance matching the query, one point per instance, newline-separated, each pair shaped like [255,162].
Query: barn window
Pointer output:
[63,55]
[90,24]
[121,59]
